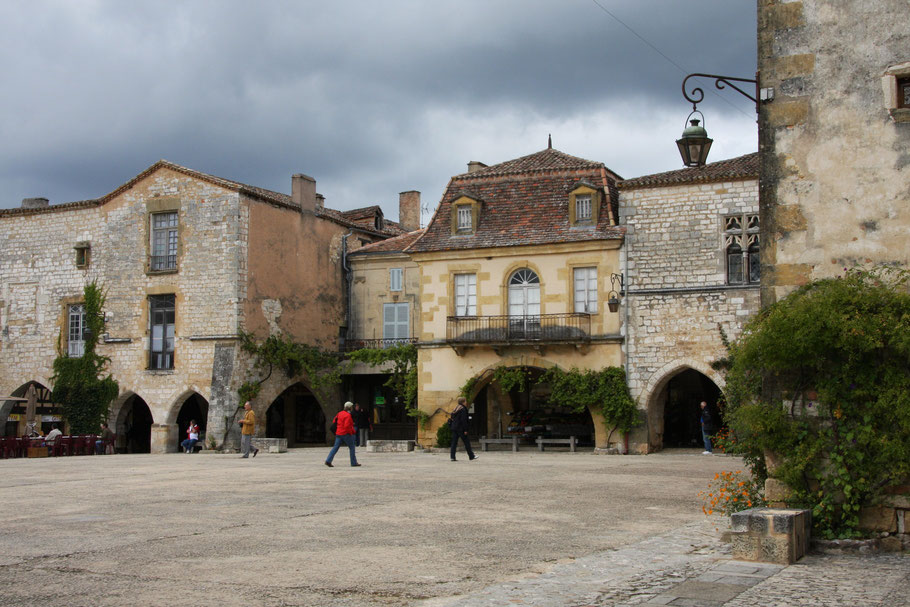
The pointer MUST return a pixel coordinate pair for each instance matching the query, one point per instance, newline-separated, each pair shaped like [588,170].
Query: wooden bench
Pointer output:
[512,440]
[571,441]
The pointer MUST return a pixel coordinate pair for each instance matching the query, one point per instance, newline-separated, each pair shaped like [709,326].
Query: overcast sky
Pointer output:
[370,98]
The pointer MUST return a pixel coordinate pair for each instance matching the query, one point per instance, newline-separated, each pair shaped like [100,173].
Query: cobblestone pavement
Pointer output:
[689,567]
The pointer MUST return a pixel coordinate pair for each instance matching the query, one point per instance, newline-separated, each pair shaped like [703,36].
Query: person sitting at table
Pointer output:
[106,437]
[52,435]
[192,437]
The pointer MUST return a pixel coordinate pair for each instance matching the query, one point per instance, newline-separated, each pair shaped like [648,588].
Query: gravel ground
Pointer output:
[282,529]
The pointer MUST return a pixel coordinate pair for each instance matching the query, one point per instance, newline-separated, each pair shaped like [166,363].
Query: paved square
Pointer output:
[286,530]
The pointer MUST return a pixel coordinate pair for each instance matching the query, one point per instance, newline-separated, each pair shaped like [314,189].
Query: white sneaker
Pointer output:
[707,453]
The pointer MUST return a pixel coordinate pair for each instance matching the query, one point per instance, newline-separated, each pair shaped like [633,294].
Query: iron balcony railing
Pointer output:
[356,344]
[573,327]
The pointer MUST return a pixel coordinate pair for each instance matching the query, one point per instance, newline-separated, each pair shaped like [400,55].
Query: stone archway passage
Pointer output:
[681,397]
[195,407]
[296,415]
[134,426]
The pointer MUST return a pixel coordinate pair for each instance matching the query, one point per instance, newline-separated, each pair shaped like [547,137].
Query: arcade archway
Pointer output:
[134,426]
[674,410]
[297,416]
[194,408]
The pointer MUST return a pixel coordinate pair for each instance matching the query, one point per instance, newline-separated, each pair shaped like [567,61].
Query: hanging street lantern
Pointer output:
[694,144]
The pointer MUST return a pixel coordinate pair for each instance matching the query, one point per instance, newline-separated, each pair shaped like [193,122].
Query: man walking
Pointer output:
[344,434]
[707,428]
[459,422]
[247,426]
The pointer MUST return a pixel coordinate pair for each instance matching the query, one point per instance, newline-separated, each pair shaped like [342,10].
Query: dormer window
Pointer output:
[583,207]
[584,202]
[464,217]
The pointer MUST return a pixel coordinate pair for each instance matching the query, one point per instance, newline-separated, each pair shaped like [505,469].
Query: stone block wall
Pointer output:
[835,162]
[676,287]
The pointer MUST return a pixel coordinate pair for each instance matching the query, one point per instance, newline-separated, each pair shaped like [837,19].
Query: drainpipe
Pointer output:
[349,279]
[626,326]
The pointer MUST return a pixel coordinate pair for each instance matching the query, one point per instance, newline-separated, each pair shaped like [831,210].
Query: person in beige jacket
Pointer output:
[248,426]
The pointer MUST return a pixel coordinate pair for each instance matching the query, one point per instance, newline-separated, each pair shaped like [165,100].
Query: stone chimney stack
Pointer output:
[409,210]
[475,165]
[303,191]
[35,203]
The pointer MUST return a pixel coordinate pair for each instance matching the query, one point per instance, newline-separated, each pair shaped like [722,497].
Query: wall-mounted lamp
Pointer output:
[694,143]
[613,302]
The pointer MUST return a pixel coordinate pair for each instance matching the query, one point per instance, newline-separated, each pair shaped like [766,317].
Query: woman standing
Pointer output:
[459,422]
[344,433]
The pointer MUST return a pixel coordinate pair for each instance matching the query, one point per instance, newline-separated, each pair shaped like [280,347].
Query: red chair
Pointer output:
[6,446]
[90,446]
[63,445]
[22,448]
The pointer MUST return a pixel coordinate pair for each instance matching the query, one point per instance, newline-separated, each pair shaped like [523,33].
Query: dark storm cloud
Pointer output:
[370,98]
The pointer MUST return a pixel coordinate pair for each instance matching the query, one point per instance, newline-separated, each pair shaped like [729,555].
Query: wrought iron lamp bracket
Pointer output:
[698,95]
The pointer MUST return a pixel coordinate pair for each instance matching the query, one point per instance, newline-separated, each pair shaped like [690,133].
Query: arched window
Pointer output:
[524,303]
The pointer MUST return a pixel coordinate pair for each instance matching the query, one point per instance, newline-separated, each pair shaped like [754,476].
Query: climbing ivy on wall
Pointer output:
[322,368]
[403,378]
[821,380]
[82,387]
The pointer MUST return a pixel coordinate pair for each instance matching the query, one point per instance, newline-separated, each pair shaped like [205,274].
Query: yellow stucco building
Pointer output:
[515,273]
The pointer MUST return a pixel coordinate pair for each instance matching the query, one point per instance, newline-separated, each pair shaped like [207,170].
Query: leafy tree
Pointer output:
[81,387]
[821,379]
[403,378]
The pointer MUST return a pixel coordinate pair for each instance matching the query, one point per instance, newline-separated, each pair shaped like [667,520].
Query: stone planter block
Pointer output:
[270,445]
[770,535]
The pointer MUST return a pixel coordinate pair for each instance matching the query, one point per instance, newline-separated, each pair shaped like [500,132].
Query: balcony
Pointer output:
[356,344]
[501,331]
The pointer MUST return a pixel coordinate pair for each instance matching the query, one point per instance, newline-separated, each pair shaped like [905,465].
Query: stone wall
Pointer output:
[835,165]
[677,292]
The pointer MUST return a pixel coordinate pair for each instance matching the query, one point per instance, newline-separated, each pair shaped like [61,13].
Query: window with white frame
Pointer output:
[395,279]
[741,247]
[75,343]
[586,290]
[164,241]
[583,207]
[161,331]
[465,220]
[395,321]
[465,295]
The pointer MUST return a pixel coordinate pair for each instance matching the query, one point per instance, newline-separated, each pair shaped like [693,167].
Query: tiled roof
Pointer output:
[276,198]
[390,245]
[548,159]
[741,167]
[524,206]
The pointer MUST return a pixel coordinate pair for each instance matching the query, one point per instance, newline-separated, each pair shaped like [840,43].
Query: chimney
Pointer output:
[320,201]
[35,203]
[475,165]
[303,192]
[409,210]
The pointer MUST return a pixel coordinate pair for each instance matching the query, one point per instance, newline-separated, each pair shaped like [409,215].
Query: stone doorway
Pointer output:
[134,426]
[297,416]
[677,410]
[195,407]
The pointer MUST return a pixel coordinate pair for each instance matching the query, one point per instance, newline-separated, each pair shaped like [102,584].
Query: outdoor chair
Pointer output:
[63,445]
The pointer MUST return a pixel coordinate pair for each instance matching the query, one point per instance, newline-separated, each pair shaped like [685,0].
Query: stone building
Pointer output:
[385,311]
[691,268]
[515,270]
[187,260]
[834,140]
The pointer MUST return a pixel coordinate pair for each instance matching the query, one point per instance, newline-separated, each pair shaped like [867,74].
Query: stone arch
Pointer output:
[6,406]
[273,388]
[178,401]
[654,396]
[501,407]
[132,423]
[189,405]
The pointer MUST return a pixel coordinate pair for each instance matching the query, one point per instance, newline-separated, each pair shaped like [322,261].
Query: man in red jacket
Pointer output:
[344,433]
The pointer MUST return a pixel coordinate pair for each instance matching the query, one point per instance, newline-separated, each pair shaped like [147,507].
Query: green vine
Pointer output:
[81,386]
[322,368]
[403,379]
[605,391]
[510,378]
[821,380]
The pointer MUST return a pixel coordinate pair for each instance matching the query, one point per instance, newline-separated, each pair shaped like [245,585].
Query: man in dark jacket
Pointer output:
[707,428]
[362,425]
[459,424]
